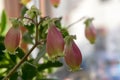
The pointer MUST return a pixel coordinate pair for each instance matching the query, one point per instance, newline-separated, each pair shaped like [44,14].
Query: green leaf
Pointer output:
[14,76]
[20,53]
[28,38]
[30,28]
[1,77]
[64,32]
[49,64]
[2,47]
[28,71]
[1,39]
[23,11]
[58,22]
[3,21]
[43,31]
[13,58]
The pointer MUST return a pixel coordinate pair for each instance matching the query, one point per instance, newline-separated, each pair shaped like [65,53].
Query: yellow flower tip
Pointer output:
[92,41]
[55,57]
[24,2]
[10,52]
[73,68]
[55,5]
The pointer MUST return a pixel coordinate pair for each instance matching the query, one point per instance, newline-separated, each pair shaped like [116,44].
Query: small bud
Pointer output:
[73,56]
[12,39]
[24,2]
[31,14]
[55,3]
[55,43]
[90,31]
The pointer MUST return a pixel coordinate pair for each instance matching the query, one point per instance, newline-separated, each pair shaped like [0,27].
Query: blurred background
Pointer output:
[101,61]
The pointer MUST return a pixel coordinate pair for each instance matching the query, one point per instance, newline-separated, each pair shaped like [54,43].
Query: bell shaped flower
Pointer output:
[55,3]
[12,39]
[73,56]
[55,43]
[90,31]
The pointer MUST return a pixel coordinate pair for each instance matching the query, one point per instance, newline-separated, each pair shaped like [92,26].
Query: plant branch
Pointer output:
[28,19]
[18,65]
[75,22]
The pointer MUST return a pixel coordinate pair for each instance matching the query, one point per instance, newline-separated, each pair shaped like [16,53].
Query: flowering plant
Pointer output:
[47,35]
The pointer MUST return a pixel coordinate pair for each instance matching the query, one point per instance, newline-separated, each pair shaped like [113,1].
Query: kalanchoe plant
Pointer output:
[55,43]
[12,39]
[73,56]
[48,36]
[55,3]
[90,31]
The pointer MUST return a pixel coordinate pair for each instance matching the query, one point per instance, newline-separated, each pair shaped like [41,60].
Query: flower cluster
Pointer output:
[58,41]
[48,36]
[58,47]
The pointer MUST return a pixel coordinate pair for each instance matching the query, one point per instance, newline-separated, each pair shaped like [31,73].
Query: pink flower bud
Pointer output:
[90,33]
[12,39]
[55,43]
[73,56]
[55,3]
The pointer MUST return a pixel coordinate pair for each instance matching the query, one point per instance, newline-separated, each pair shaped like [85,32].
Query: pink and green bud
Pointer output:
[73,56]
[12,39]
[55,43]
[90,31]
[55,3]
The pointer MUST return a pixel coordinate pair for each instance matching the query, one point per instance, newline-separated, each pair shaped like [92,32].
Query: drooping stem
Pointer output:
[75,22]
[18,65]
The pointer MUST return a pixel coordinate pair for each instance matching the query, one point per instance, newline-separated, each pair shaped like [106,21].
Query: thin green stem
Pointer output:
[75,22]
[18,65]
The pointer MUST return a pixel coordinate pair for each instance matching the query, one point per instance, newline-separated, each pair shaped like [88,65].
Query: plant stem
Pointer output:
[18,65]
[28,19]
[75,22]
[37,32]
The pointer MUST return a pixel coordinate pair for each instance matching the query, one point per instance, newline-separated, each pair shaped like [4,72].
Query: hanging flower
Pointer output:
[55,3]
[73,56]
[12,39]
[90,31]
[24,2]
[55,43]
